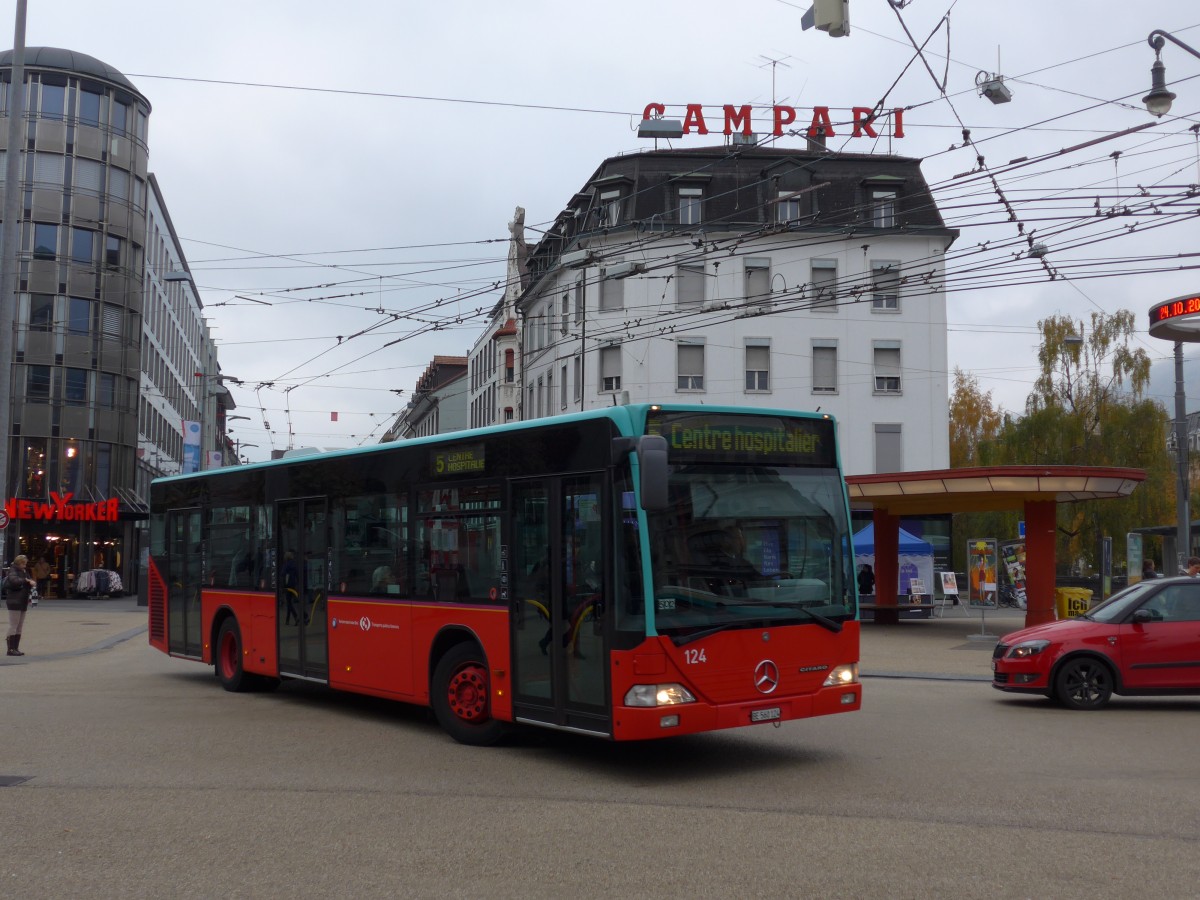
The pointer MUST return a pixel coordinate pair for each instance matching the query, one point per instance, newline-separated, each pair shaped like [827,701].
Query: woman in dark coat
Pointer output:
[17,587]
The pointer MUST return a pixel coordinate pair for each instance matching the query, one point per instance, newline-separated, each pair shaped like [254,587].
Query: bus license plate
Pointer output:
[764,715]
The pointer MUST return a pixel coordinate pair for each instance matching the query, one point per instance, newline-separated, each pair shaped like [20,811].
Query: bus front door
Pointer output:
[559,637]
[301,588]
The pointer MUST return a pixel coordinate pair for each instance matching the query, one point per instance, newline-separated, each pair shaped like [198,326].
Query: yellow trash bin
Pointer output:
[1070,602]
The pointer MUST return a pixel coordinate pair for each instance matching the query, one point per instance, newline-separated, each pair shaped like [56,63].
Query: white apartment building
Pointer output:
[749,276]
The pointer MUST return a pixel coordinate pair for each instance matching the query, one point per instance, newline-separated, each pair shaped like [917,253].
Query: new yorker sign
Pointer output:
[61,509]
[730,119]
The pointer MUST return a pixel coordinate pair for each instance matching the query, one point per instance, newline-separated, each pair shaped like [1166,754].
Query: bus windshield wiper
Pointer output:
[680,640]
[824,621]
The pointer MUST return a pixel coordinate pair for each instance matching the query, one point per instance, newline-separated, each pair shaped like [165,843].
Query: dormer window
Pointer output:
[883,207]
[610,208]
[691,200]
[787,207]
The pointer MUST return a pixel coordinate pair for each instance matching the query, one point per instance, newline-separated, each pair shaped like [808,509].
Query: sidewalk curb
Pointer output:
[106,644]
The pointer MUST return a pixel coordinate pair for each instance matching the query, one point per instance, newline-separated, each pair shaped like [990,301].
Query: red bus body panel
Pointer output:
[383,648]
[720,672]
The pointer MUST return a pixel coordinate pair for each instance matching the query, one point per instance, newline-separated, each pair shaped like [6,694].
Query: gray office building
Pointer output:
[74,377]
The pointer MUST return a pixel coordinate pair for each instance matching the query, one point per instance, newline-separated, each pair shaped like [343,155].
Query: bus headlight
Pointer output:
[658,695]
[842,675]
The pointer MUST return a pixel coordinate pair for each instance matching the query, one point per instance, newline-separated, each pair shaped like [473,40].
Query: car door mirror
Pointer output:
[1142,616]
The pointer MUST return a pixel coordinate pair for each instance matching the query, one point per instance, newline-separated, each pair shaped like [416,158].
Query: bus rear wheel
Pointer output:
[228,659]
[461,697]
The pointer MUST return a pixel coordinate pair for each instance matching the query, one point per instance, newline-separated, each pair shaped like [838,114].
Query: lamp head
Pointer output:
[1158,101]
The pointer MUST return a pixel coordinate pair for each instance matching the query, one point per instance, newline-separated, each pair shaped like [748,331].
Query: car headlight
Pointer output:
[658,695]
[1026,649]
[842,675]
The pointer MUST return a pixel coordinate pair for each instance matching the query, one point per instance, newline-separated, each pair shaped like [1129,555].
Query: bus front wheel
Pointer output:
[461,697]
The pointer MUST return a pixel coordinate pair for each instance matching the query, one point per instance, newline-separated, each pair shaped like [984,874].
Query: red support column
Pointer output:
[887,566]
[1040,525]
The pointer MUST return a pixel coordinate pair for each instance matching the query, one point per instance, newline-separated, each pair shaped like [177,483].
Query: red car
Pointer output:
[1142,641]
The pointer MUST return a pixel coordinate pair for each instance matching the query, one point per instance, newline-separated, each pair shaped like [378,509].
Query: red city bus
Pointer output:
[631,573]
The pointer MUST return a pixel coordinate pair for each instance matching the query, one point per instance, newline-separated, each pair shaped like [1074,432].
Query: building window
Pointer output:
[883,207]
[758,280]
[579,295]
[118,184]
[887,367]
[112,252]
[89,108]
[787,207]
[120,117]
[566,313]
[885,285]
[824,367]
[562,387]
[690,203]
[612,292]
[758,365]
[37,384]
[75,391]
[509,366]
[577,384]
[79,316]
[610,369]
[689,285]
[48,169]
[53,100]
[824,284]
[83,246]
[889,448]
[110,320]
[45,241]
[610,208]
[89,176]
[41,312]
[689,363]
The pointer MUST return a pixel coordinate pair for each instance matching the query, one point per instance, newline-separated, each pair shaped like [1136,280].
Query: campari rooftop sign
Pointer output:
[865,121]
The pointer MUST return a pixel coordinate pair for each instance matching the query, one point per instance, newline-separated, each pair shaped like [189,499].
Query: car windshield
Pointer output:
[751,547]
[1119,605]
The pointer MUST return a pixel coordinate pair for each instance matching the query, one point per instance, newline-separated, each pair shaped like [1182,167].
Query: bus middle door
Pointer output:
[301,587]
[559,637]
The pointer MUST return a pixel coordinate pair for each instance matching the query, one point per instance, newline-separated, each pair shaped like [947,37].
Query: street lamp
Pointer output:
[1158,101]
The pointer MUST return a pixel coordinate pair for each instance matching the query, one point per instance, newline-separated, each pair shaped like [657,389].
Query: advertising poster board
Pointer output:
[982,557]
[1133,557]
[949,584]
[1012,553]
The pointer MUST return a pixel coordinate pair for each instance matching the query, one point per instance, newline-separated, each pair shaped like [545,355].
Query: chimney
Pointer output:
[817,142]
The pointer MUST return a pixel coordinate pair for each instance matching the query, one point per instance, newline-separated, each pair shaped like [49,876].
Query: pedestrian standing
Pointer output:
[17,588]
[1148,570]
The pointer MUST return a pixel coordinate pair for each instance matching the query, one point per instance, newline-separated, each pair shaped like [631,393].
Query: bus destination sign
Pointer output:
[465,459]
[720,437]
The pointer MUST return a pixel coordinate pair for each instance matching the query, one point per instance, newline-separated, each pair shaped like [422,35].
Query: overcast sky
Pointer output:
[349,163]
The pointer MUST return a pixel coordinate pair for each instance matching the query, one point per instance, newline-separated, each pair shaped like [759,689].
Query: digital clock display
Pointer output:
[1173,309]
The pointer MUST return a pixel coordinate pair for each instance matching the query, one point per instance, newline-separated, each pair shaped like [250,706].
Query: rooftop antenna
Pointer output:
[773,63]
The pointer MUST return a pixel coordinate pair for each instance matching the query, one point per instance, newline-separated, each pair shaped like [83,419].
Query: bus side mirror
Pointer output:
[652,464]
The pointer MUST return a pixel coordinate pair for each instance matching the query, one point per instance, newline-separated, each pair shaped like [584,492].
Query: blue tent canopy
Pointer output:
[910,544]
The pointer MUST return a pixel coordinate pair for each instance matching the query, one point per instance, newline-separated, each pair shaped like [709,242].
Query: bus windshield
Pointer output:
[751,547]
